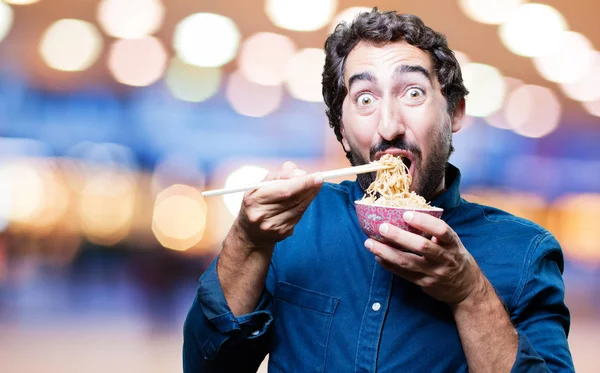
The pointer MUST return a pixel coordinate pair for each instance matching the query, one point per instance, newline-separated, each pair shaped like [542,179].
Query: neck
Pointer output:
[440,189]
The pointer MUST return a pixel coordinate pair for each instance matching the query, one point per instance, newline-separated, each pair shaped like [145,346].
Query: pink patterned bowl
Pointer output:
[370,217]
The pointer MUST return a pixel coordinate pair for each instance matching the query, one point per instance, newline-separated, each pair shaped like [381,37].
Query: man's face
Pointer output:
[394,105]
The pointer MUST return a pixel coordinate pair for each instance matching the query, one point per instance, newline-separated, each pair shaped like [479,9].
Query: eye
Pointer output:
[365,99]
[415,93]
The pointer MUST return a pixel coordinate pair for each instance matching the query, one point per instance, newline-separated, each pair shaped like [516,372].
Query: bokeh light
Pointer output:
[462,58]
[6,19]
[33,194]
[107,204]
[206,39]
[588,87]
[251,99]
[592,107]
[55,202]
[487,89]
[301,15]
[525,205]
[218,222]
[130,19]
[532,30]
[347,16]
[303,79]
[533,111]
[27,192]
[179,217]
[572,60]
[489,11]
[71,45]
[574,221]
[24,185]
[137,62]
[5,198]
[498,118]
[264,57]
[244,175]
[192,83]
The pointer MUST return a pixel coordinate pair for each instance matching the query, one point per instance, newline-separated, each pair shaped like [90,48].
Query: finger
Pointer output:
[431,225]
[296,205]
[397,258]
[263,204]
[291,190]
[288,166]
[414,277]
[411,242]
[295,212]
[282,218]
[287,170]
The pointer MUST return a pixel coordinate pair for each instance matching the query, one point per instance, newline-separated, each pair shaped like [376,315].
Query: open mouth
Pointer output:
[405,156]
[407,162]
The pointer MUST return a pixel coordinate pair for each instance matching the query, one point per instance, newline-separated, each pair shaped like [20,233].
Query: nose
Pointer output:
[391,123]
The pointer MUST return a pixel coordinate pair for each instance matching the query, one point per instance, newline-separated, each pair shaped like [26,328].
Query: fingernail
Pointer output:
[408,216]
[383,228]
[369,244]
[318,180]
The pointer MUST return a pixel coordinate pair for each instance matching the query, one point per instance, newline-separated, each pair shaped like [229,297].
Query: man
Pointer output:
[298,279]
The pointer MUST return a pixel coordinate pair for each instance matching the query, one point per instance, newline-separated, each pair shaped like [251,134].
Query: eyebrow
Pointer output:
[404,69]
[364,76]
[400,70]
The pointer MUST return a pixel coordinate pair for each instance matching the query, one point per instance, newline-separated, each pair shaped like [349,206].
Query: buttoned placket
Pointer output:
[373,319]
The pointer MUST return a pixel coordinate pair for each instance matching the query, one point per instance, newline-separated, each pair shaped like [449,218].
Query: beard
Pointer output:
[428,173]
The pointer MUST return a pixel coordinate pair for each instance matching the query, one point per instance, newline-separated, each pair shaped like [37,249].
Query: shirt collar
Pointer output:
[449,199]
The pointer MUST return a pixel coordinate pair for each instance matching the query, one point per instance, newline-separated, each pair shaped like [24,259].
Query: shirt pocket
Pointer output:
[302,324]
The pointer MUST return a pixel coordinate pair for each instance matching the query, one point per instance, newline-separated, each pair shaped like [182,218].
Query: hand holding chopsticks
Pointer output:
[371,167]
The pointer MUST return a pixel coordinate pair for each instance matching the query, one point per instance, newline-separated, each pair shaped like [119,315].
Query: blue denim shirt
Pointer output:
[329,306]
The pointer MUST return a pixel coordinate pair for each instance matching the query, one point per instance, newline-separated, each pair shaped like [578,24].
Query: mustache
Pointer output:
[397,143]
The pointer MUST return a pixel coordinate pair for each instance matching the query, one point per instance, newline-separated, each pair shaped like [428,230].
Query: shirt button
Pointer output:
[255,333]
[376,306]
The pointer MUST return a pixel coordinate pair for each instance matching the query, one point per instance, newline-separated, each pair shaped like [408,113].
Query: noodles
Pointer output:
[391,186]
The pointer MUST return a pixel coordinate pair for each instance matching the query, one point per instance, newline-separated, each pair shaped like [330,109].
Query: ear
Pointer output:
[345,143]
[458,115]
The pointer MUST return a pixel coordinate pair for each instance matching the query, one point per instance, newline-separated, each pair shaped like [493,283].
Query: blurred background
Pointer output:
[116,114]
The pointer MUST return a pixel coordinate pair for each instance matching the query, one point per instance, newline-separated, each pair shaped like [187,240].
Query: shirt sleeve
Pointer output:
[214,340]
[540,314]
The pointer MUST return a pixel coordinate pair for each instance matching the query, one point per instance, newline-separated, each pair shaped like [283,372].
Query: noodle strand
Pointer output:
[392,186]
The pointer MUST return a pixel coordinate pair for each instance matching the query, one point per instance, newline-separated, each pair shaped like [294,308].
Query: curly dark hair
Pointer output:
[379,28]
